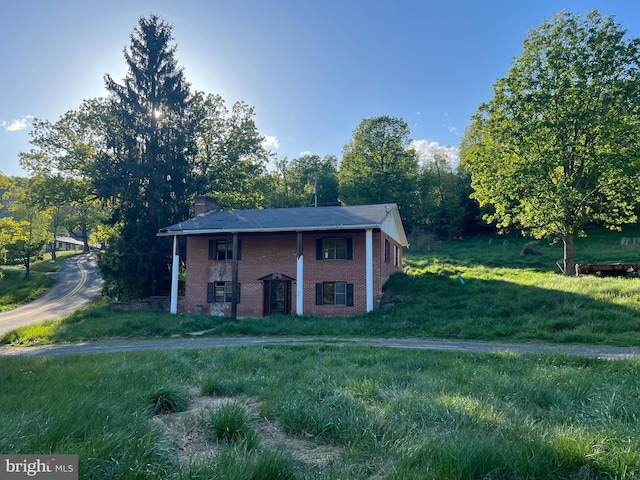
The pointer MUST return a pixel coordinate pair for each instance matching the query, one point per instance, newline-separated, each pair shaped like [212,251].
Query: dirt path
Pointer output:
[78,283]
[221,342]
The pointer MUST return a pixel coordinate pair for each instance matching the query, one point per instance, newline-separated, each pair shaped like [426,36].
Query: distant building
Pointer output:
[67,243]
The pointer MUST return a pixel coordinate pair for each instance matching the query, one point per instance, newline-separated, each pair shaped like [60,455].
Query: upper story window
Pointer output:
[222,249]
[388,256]
[334,248]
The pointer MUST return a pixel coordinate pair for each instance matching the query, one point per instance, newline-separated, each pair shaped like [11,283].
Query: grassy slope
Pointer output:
[481,288]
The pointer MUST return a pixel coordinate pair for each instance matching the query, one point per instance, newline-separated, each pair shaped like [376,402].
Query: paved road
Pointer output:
[612,353]
[78,283]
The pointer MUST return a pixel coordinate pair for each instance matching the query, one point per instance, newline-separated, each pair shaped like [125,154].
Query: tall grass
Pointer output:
[481,288]
[388,414]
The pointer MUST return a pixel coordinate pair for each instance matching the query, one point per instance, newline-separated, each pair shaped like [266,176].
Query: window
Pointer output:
[221,292]
[338,248]
[334,293]
[222,249]
[396,255]
[387,251]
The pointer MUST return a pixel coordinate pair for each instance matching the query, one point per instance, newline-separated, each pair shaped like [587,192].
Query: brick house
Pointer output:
[326,261]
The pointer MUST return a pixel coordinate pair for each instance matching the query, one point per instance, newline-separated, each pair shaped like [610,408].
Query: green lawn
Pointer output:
[327,412]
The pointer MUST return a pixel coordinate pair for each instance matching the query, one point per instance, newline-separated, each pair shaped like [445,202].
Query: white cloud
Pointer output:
[17,125]
[270,141]
[427,150]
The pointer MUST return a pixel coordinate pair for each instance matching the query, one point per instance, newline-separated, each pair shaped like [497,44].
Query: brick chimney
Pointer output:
[203,204]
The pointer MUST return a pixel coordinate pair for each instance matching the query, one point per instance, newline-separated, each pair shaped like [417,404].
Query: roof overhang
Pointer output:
[165,232]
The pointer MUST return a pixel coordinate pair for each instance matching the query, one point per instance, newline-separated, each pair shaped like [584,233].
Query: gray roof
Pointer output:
[292,220]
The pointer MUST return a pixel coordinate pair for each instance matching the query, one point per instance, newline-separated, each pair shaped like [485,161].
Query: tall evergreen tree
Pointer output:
[145,168]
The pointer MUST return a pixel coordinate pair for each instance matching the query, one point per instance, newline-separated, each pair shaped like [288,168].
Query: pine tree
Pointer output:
[146,166]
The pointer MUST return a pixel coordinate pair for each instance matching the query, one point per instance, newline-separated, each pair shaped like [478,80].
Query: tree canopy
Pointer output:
[378,166]
[557,148]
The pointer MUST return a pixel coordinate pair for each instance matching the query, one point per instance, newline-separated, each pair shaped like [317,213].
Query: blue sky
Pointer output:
[311,69]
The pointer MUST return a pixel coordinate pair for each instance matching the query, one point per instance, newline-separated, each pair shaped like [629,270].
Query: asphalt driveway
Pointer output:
[78,283]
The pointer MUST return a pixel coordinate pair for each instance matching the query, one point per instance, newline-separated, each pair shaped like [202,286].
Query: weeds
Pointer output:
[232,423]
[168,399]
[391,413]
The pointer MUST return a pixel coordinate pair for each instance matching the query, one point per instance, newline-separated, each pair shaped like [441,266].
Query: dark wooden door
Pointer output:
[277,296]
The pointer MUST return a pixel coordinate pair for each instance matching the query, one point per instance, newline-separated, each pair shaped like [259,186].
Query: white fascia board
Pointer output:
[204,231]
[392,226]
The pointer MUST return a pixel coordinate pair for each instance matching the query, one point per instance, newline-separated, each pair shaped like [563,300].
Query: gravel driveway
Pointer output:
[220,342]
[78,283]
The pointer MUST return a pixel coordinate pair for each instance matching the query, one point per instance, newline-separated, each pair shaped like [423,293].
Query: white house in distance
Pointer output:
[68,243]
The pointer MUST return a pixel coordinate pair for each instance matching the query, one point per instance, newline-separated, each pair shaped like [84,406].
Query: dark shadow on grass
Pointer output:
[446,306]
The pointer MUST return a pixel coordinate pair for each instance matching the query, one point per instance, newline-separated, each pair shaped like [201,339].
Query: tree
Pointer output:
[379,166]
[441,192]
[61,164]
[145,168]
[26,232]
[557,148]
[231,162]
[306,181]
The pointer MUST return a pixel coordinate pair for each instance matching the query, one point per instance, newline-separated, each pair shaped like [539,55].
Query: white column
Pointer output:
[174,276]
[369,268]
[300,278]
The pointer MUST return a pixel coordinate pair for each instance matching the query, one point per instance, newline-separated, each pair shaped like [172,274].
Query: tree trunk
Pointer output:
[569,255]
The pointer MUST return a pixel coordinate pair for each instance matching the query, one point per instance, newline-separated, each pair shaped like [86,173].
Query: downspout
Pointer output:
[300,278]
[369,268]
[234,279]
[174,277]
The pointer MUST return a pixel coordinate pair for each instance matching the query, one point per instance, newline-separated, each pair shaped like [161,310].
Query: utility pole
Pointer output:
[315,193]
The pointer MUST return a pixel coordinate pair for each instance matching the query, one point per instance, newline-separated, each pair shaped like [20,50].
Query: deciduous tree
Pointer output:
[231,162]
[27,231]
[557,147]
[379,166]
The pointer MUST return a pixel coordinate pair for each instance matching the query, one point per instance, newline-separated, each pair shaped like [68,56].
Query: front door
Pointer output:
[277,295]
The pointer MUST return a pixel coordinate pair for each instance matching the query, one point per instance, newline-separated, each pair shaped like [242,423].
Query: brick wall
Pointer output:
[265,255]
